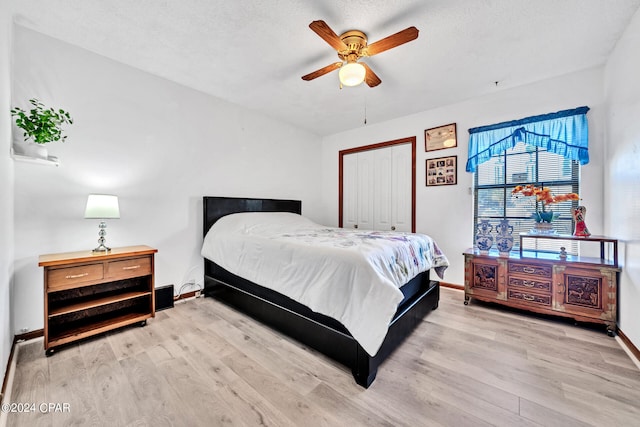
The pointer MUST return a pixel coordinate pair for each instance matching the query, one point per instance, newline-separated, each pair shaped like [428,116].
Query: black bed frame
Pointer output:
[320,332]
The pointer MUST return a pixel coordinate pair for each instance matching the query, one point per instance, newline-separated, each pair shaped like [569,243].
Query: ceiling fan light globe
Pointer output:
[352,74]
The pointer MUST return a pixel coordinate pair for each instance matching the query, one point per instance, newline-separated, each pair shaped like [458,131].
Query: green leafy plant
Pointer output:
[41,124]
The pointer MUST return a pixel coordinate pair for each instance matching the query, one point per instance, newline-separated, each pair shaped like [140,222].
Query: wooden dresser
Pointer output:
[581,288]
[87,294]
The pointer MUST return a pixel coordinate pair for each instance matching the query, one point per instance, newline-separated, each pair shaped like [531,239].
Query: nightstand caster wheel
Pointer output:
[143,323]
[611,332]
[466,300]
[49,352]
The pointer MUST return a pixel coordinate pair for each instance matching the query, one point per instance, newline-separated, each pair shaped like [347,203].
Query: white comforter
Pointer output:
[353,276]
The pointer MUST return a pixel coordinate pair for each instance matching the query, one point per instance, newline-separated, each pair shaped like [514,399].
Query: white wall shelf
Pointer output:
[50,161]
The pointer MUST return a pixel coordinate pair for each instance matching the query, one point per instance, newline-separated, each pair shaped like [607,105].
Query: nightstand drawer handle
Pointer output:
[528,270]
[133,267]
[528,297]
[75,276]
[528,284]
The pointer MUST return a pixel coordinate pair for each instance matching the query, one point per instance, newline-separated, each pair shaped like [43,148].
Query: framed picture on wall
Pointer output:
[442,171]
[440,138]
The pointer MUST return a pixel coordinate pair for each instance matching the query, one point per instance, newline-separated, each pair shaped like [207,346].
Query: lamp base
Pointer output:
[103,232]
[101,249]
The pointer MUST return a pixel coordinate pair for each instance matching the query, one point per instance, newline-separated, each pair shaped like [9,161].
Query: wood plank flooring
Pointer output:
[203,364]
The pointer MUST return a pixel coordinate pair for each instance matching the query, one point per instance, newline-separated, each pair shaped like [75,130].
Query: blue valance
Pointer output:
[564,132]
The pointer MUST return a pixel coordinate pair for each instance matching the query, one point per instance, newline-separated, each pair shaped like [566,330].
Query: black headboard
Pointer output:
[215,208]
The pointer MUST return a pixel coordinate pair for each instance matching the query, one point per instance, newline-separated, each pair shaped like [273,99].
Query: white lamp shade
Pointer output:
[352,74]
[102,206]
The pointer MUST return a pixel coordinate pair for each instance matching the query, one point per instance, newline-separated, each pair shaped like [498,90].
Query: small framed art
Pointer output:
[440,138]
[442,171]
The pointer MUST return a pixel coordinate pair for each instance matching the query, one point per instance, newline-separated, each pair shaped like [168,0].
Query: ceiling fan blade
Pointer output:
[327,34]
[392,41]
[370,77]
[322,71]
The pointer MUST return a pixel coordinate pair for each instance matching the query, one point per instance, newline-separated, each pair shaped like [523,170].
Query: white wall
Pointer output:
[159,146]
[6,189]
[446,213]
[622,170]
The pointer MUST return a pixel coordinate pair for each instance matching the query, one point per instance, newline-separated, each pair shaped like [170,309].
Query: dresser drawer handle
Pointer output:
[528,284]
[528,270]
[75,276]
[528,297]
[133,267]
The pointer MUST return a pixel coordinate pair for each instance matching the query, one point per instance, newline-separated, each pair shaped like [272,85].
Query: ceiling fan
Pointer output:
[352,46]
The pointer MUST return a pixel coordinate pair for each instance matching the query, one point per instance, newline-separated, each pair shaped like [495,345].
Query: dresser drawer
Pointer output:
[70,277]
[132,267]
[529,298]
[532,270]
[532,284]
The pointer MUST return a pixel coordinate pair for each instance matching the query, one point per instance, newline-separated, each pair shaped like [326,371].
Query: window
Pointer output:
[526,164]
[545,150]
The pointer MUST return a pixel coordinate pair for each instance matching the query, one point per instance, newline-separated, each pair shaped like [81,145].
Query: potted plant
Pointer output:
[40,126]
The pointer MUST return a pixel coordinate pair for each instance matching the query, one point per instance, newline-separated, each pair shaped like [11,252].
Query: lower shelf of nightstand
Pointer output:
[91,329]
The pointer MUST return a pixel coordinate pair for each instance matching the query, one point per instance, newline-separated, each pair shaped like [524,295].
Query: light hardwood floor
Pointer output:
[203,364]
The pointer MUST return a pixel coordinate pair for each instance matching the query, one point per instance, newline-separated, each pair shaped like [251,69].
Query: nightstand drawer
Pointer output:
[532,284]
[133,267]
[531,270]
[70,277]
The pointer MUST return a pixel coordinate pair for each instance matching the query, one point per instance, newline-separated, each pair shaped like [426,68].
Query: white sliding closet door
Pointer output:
[383,188]
[350,191]
[401,187]
[377,189]
[366,193]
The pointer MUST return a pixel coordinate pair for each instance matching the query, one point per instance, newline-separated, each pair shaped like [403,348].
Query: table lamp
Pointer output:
[102,206]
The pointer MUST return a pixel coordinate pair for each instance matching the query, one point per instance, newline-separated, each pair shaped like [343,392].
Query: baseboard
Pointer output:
[452,286]
[188,295]
[630,346]
[8,370]
[29,335]
[16,339]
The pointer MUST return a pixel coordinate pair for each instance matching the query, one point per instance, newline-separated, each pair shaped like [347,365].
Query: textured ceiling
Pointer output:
[253,53]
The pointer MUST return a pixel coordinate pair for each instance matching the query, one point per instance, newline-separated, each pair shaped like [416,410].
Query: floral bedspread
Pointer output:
[353,276]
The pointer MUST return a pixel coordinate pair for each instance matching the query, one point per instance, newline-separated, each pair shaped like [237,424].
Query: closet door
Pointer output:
[401,187]
[366,193]
[383,185]
[377,186]
[358,170]
[350,191]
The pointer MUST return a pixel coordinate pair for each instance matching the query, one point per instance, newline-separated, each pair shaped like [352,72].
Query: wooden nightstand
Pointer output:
[86,294]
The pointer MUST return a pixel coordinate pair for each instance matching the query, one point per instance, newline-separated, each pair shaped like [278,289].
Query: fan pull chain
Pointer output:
[365,111]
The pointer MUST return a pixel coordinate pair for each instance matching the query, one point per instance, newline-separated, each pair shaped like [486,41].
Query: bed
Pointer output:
[321,332]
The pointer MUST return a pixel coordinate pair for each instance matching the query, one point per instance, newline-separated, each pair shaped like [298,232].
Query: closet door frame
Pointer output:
[410,140]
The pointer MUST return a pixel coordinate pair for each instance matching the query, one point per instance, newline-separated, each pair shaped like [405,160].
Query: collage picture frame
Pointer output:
[442,171]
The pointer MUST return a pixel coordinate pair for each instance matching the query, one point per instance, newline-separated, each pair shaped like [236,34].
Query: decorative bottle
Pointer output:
[484,239]
[504,237]
[579,215]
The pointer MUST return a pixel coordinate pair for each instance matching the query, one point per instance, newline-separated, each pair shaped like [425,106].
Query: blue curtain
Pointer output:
[564,132]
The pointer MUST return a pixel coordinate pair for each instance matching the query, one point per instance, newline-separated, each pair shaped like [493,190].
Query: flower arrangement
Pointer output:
[543,195]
